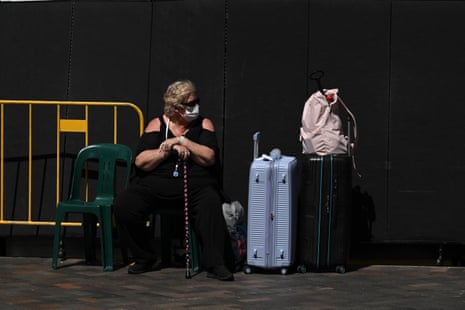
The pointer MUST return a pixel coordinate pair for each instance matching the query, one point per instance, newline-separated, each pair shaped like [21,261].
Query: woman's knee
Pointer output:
[127,207]
[208,205]
[210,196]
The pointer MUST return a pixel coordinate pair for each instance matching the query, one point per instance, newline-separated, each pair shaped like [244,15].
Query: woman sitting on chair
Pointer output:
[179,136]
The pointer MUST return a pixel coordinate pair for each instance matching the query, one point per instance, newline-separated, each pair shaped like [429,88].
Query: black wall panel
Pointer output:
[34,65]
[426,134]
[67,51]
[110,52]
[267,74]
[398,65]
[188,43]
[349,41]
[34,56]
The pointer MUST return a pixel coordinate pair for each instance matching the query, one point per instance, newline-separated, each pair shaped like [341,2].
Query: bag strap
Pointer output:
[354,126]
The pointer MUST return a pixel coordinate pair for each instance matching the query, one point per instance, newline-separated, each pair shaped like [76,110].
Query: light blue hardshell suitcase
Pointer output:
[272,211]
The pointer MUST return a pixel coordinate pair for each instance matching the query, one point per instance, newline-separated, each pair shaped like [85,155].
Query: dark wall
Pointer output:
[267,85]
[398,65]
[426,117]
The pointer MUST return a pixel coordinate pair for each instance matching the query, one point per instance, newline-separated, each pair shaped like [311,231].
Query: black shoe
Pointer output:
[138,268]
[221,273]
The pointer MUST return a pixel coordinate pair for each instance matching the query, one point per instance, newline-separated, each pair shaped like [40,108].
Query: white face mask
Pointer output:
[191,113]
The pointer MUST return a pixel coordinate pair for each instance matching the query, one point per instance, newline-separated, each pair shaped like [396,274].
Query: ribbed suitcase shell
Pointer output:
[272,211]
[324,212]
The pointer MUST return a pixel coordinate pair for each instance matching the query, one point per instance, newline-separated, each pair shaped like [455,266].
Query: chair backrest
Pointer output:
[107,155]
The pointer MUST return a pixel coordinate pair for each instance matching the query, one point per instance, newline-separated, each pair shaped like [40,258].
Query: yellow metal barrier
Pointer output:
[63,125]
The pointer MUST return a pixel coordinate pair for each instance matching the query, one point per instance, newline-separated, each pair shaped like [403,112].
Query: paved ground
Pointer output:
[31,283]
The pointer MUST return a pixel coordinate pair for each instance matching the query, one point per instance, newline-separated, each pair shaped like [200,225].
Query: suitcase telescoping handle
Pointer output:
[275,153]
[256,140]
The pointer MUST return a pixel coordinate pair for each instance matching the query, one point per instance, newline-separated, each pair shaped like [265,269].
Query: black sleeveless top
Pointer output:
[197,175]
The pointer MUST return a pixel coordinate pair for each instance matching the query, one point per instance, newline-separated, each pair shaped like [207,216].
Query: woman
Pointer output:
[178,136]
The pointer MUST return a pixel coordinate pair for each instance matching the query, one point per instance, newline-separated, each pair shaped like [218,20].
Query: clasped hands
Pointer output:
[173,144]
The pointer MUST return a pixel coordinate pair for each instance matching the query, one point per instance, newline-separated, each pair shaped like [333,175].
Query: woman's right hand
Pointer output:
[168,144]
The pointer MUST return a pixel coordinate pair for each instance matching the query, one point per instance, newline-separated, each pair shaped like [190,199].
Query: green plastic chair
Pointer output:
[107,155]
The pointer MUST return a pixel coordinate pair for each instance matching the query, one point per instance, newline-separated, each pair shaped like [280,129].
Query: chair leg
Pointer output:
[56,240]
[61,249]
[106,223]
[90,229]
[195,251]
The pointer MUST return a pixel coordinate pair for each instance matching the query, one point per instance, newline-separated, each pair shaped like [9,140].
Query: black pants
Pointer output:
[133,207]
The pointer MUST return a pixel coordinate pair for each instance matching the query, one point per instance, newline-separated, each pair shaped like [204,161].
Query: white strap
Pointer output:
[167,128]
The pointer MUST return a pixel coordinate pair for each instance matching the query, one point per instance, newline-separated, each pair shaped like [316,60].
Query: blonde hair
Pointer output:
[176,94]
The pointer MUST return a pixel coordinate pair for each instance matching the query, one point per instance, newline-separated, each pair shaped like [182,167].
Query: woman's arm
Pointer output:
[200,154]
[149,159]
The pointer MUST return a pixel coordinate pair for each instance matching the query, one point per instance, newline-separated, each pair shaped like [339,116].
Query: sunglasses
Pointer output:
[192,103]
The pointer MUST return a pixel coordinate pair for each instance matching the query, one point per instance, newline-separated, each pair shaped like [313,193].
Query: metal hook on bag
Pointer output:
[317,76]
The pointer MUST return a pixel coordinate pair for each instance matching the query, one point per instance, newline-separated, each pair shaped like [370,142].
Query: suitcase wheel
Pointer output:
[284,271]
[248,270]
[302,269]
[340,269]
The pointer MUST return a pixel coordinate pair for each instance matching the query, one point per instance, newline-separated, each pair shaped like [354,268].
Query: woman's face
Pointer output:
[192,96]
[189,102]
[190,108]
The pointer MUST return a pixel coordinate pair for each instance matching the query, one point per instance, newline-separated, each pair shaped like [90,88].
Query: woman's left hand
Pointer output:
[183,152]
